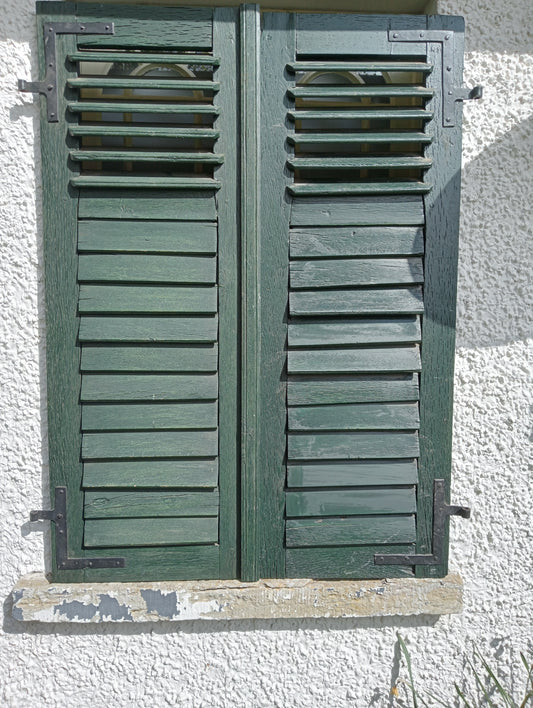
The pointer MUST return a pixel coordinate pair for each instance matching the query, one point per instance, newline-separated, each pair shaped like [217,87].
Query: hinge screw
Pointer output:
[421,34]
[448,68]
[395,35]
[450,93]
[448,119]
[49,87]
[447,36]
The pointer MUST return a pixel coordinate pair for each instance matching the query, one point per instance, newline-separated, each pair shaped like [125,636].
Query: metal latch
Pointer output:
[441,512]
[59,516]
[451,92]
[48,86]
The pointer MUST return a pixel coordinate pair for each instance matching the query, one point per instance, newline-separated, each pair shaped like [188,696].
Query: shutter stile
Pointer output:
[355,308]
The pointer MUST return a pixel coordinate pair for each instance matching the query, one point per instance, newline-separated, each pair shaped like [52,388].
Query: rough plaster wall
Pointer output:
[311,663]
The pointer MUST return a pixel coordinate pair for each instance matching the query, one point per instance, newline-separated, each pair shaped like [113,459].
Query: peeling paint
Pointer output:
[76,610]
[162,604]
[111,610]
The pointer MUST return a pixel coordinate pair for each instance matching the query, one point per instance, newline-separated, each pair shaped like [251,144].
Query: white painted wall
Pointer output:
[300,663]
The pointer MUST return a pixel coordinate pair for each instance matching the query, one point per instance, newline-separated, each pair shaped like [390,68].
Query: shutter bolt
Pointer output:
[448,119]
[50,87]
[395,35]
[450,93]
[448,68]
[421,34]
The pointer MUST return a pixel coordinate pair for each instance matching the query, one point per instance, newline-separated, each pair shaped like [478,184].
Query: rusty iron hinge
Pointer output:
[441,512]
[59,516]
[451,91]
[48,86]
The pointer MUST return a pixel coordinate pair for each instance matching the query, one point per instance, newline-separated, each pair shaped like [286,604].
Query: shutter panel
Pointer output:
[147,240]
[369,240]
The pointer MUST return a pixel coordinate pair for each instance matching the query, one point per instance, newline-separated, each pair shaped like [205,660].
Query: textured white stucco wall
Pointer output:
[322,663]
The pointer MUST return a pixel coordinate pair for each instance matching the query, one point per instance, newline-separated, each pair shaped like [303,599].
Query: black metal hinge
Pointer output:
[451,91]
[48,86]
[441,512]
[59,516]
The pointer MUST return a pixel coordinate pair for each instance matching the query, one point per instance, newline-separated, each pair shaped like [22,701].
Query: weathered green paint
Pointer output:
[132,182]
[147,269]
[350,531]
[146,156]
[160,300]
[358,416]
[140,57]
[180,358]
[337,502]
[133,107]
[362,137]
[148,474]
[352,188]
[342,361]
[362,331]
[155,84]
[146,387]
[352,446]
[143,131]
[149,416]
[147,236]
[307,390]
[148,329]
[401,301]
[183,443]
[345,562]
[134,505]
[335,65]
[360,90]
[341,273]
[147,204]
[352,474]
[358,211]
[115,533]
[357,241]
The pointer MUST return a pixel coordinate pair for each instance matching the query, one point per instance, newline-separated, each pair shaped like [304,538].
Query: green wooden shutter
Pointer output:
[367,200]
[140,239]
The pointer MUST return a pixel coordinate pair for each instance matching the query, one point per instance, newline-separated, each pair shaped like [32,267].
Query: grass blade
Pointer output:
[407,657]
[481,685]
[501,690]
[526,699]
[529,670]
[461,696]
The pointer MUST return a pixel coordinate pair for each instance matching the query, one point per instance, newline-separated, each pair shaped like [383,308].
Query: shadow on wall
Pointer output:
[494,299]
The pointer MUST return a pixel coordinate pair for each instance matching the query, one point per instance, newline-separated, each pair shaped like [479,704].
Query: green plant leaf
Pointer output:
[501,690]
[526,699]
[407,657]
[462,697]
[481,685]
[529,669]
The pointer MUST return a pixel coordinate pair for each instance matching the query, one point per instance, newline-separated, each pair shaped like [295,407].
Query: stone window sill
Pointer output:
[37,600]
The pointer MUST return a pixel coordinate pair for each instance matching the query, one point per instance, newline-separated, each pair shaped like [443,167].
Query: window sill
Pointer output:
[37,600]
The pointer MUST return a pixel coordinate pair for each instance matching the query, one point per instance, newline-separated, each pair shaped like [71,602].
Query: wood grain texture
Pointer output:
[358,211]
[152,27]
[401,301]
[358,416]
[358,241]
[345,562]
[324,333]
[351,531]
[225,45]
[147,236]
[352,474]
[147,359]
[132,299]
[149,416]
[352,446]
[306,390]
[337,502]
[345,272]
[113,533]
[151,444]
[148,329]
[146,387]
[151,474]
[148,204]
[342,361]
[153,504]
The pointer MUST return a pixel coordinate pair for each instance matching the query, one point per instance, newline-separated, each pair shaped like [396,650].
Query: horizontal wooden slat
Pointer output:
[356,163]
[146,387]
[322,273]
[149,416]
[302,333]
[112,533]
[357,302]
[153,444]
[345,562]
[352,474]
[361,137]
[164,562]
[148,329]
[390,210]
[103,155]
[332,361]
[134,106]
[340,502]
[136,299]
[348,188]
[125,181]
[350,531]
[360,90]
[107,82]
[355,416]
[322,391]
[146,474]
[362,114]
[352,446]
[147,236]
[358,241]
[169,28]
[142,131]
[334,65]
[124,505]
[149,358]
[141,57]
[147,268]
[185,205]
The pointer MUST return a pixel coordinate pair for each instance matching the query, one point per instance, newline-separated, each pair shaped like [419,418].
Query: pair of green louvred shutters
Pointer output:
[250,256]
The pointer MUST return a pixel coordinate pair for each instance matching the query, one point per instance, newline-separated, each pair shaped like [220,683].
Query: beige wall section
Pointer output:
[395,7]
